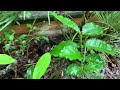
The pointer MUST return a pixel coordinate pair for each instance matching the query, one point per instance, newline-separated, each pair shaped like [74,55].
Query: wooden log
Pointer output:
[23,29]
[44,14]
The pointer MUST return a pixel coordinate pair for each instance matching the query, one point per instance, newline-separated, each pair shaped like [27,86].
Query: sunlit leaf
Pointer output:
[71,53]
[100,45]
[73,70]
[92,29]
[6,59]
[66,21]
[57,49]
[41,66]
[67,49]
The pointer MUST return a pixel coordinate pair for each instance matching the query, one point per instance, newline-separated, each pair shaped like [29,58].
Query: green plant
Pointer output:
[89,59]
[23,43]
[32,72]
[41,66]
[7,17]
[109,19]
[8,40]
[6,59]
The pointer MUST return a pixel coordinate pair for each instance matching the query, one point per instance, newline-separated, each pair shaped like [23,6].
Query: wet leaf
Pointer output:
[6,59]
[67,49]
[41,66]
[30,71]
[73,70]
[100,45]
[92,29]
[71,53]
[66,21]
[95,63]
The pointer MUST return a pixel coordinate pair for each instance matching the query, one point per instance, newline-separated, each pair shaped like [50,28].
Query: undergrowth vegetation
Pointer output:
[86,48]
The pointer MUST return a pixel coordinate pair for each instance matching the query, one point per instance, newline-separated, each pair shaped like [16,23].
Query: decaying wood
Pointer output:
[45,27]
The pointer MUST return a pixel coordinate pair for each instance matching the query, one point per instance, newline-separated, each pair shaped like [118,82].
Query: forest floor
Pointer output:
[57,67]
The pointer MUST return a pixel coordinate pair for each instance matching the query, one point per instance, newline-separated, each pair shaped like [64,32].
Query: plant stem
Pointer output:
[74,36]
[65,35]
[82,62]
[24,12]
[80,34]
[48,17]
[84,54]
[29,64]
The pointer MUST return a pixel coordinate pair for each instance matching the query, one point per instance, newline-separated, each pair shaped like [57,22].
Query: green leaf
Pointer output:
[66,21]
[95,63]
[92,29]
[17,22]
[6,34]
[6,59]
[23,36]
[57,49]
[67,49]
[11,38]
[70,52]
[100,45]
[7,47]
[30,71]
[73,70]
[41,66]
[29,26]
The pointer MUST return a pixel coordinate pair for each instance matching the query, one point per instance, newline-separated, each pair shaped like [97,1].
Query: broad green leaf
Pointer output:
[6,59]
[73,70]
[71,53]
[94,58]
[67,49]
[95,63]
[92,29]
[57,49]
[41,66]
[100,45]
[30,71]
[66,21]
